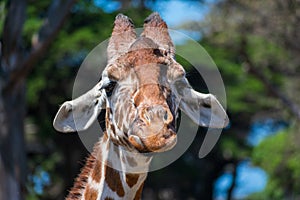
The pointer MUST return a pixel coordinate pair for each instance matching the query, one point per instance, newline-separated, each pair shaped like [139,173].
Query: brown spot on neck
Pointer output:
[97,171]
[132,179]
[109,198]
[90,193]
[113,180]
[138,194]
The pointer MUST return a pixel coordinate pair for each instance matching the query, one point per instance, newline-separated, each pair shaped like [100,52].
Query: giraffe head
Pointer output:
[142,88]
[141,104]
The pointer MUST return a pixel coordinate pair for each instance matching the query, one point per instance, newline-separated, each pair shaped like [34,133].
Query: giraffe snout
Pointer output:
[152,131]
[156,115]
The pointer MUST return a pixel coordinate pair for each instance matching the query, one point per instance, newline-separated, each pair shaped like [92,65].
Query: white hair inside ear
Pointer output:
[80,113]
[204,109]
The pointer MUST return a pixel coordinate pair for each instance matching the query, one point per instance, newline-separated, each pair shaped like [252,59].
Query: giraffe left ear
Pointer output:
[204,109]
[80,113]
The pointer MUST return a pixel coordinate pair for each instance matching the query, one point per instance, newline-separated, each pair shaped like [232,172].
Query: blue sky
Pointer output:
[177,12]
[250,179]
[173,12]
[261,129]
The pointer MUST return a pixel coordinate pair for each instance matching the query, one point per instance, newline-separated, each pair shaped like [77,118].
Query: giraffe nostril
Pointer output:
[156,115]
[147,117]
[169,134]
[166,116]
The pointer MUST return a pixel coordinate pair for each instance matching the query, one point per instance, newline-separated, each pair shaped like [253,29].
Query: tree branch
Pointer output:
[57,14]
[252,69]
[12,32]
[234,179]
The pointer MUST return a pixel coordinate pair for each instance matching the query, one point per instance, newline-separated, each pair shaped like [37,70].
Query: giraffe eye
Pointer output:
[133,103]
[109,87]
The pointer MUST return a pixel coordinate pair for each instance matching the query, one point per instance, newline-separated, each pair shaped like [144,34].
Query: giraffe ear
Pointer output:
[156,29]
[80,113]
[122,37]
[204,109]
[175,72]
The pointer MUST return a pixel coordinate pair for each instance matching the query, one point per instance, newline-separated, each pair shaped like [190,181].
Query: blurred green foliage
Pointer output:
[2,15]
[241,89]
[279,156]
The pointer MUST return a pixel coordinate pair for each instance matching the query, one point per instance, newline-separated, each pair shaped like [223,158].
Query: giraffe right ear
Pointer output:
[80,113]
[156,29]
[122,37]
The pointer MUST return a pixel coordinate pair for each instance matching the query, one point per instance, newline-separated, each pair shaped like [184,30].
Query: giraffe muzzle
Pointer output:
[152,131]
[156,116]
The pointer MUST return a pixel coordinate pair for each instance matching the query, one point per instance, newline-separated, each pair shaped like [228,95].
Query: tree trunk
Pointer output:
[15,65]
[12,146]
[12,107]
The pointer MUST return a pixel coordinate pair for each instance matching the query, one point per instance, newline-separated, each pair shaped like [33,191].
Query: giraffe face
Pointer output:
[142,104]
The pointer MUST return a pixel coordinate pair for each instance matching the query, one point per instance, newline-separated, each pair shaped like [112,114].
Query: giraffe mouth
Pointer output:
[145,142]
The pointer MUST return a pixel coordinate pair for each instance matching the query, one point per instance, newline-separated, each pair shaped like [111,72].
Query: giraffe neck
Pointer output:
[111,173]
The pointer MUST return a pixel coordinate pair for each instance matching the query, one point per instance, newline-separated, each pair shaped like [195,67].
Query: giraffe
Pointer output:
[142,89]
